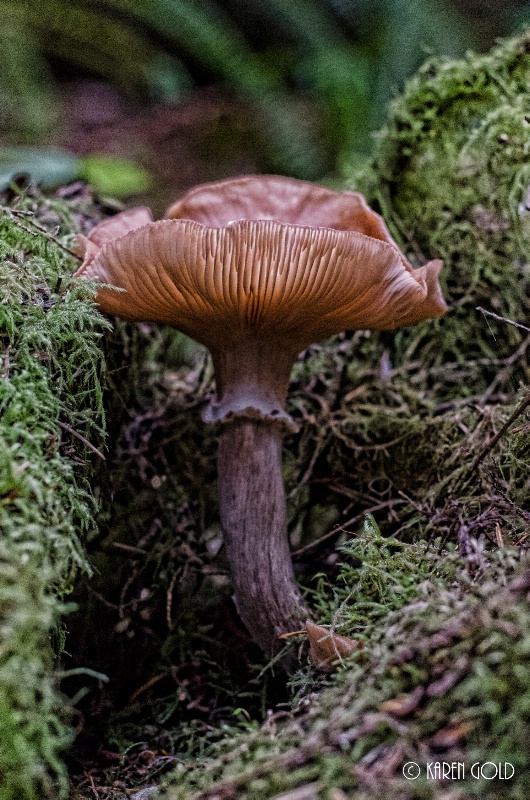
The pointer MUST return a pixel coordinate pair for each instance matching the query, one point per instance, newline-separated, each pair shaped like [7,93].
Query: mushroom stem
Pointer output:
[254,522]
[252,381]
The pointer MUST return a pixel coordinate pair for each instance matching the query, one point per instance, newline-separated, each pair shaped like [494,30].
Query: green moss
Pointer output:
[457,641]
[451,176]
[51,368]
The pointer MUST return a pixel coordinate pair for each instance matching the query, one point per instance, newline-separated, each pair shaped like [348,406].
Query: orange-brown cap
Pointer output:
[260,256]
[281,199]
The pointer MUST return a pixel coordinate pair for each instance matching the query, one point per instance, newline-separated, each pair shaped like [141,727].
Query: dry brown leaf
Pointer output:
[404,704]
[327,647]
[451,735]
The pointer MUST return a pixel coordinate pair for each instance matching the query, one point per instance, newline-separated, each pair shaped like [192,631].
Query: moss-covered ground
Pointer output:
[408,491]
[51,429]
[443,678]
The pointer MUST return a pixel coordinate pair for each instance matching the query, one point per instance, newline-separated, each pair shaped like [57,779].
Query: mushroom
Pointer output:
[257,269]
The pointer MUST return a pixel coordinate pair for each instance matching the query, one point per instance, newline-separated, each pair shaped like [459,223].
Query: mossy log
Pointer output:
[52,431]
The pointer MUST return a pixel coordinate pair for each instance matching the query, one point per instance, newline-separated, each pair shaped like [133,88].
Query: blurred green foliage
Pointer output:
[112,175]
[51,167]
[316,74]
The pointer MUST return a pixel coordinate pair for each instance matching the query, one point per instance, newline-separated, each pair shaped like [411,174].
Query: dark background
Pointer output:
[157,95]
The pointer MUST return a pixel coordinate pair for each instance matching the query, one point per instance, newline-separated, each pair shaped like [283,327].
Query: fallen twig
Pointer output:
[13,213]
[502,319]
[503,374]
[518,410]
[81,438]
[341,528]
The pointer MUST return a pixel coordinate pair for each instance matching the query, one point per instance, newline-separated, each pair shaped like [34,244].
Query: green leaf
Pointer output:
[115,176]
[48,167]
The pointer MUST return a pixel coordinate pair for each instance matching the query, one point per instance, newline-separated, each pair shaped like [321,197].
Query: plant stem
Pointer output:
[254,522]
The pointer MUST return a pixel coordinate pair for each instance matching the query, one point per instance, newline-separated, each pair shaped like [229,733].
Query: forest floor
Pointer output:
[408,500]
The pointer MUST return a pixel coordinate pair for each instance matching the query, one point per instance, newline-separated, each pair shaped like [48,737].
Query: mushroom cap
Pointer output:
[260,256]
[282,199]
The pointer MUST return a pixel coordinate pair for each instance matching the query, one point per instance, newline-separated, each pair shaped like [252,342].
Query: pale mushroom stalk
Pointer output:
[254,522]
[257,269]
[252,502]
